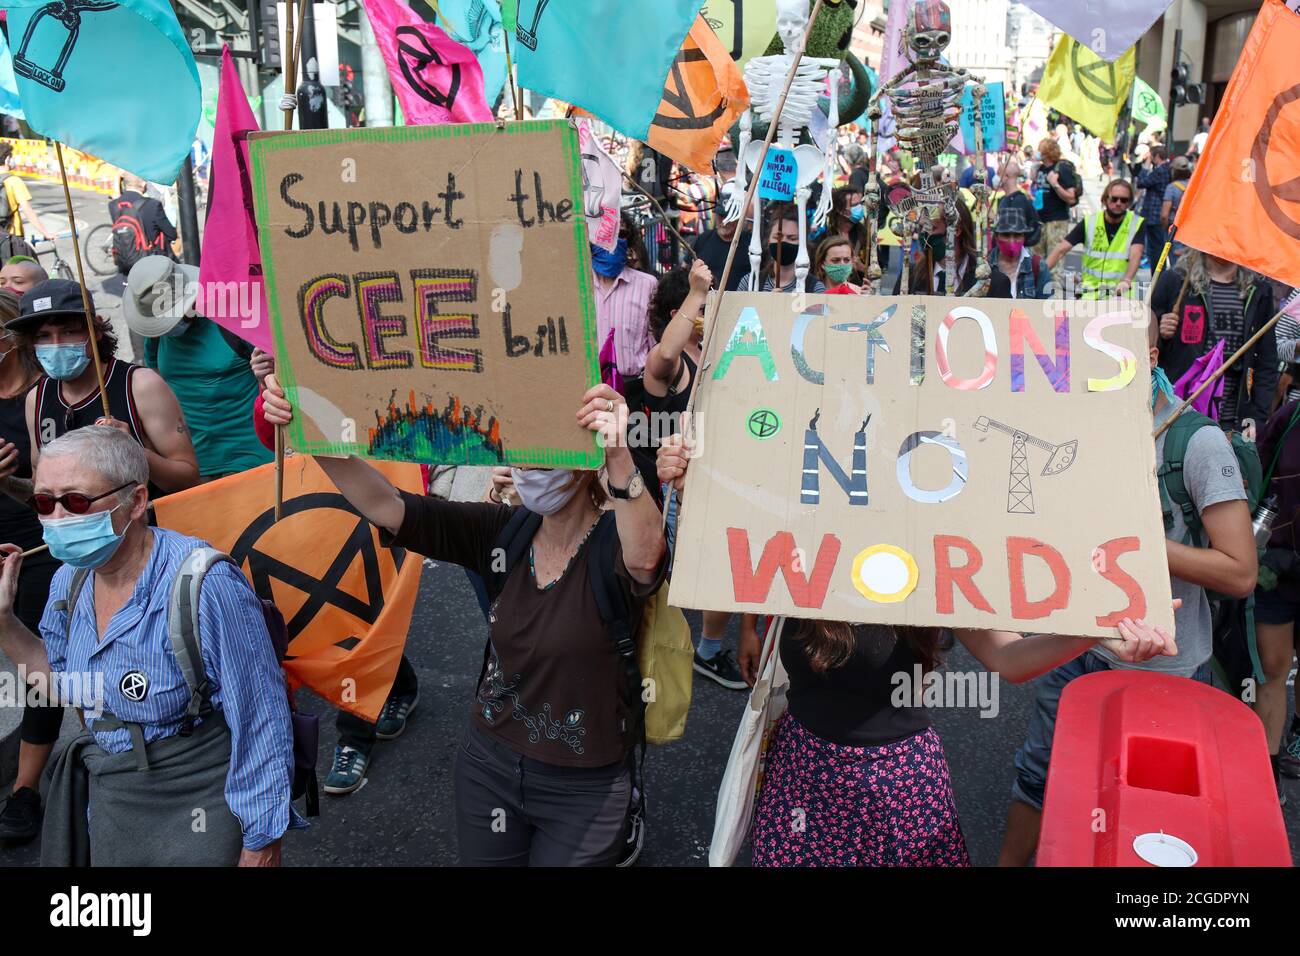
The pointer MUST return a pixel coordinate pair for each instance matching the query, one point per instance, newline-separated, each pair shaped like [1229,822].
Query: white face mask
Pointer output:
[544,492]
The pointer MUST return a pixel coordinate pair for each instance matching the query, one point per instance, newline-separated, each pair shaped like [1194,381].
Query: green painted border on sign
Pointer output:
[263,145]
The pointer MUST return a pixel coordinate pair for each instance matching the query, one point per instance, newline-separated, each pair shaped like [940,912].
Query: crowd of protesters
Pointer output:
[870,777]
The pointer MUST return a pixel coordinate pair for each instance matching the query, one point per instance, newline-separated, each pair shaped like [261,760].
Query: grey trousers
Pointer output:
[514,811]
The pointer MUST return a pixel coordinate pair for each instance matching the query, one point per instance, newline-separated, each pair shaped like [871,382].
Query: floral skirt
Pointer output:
[823,804]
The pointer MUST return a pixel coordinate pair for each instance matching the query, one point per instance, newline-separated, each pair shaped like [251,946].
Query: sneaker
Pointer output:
[348,772]
[20,820]
[1289,759]
[392,719]
[721,667]
[635,830]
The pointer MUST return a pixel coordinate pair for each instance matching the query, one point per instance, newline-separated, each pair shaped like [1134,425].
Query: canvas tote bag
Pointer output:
[744,773]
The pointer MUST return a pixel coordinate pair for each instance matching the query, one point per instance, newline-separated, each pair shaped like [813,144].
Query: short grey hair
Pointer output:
[114,455]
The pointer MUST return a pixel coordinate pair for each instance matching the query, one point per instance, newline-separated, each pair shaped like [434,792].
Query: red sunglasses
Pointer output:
[73,501]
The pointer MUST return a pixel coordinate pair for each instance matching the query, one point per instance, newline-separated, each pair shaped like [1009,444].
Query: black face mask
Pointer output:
[788,253]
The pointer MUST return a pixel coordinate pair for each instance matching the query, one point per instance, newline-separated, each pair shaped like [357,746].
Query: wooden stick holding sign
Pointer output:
[721,280]
[287,103]
[81,279]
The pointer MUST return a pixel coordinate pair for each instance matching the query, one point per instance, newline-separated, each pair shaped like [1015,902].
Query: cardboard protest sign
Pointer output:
[993,119]
[779,176]
[430,291]
[924,461]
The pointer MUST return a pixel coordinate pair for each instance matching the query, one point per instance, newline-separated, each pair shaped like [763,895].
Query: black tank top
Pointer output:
[674,403]
[54,416]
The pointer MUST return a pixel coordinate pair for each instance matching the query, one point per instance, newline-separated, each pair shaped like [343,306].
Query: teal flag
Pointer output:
[476,24]
[9,100]
[611,57]
[116,80]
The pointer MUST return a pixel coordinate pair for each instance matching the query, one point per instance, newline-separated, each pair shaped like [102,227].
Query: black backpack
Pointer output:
[131,241]
[513,543]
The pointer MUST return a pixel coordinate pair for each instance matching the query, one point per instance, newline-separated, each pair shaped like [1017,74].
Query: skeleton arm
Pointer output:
[823,210]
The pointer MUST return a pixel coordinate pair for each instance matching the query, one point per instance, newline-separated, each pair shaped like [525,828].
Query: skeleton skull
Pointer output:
[791,21]
[929,30]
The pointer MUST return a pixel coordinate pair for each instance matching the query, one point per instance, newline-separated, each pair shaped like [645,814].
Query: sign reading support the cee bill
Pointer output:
[430,291]
[973,463]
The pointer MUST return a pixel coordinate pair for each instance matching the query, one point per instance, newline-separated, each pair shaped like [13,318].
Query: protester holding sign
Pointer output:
[857,760]
[542,777]
[1210,547]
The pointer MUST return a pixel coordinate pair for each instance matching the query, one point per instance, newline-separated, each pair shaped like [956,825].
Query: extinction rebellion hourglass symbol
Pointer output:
[528,37]
[68,14]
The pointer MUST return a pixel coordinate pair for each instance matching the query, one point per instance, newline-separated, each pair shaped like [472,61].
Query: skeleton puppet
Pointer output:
[765,76]
[927,114]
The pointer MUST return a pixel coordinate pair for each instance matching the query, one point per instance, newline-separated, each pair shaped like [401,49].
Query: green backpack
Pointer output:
[1173,488]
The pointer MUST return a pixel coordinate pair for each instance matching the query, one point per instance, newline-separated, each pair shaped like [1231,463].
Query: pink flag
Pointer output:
[436,79]
[231,292]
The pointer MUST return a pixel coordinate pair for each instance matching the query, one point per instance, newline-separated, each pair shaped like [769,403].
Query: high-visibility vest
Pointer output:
[1106,260]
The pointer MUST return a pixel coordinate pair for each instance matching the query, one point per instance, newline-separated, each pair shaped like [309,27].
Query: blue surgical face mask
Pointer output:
[63,362]
[609,264]
[857,213]
[83,541]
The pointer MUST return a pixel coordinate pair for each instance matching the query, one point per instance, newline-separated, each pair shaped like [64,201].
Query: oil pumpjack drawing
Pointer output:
[1020,494]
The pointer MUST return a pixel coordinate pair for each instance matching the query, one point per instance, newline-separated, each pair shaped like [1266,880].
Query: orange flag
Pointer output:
[1249,173]
[704,95]
[347,601]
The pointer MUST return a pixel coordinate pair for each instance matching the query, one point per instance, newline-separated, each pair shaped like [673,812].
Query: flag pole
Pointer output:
[711,323]
[662,215]
[1012,152]
[510,74]
[1264,330]
[81,279]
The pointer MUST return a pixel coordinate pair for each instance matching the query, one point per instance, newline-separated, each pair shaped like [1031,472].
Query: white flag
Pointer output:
[1107,27]
[602,188]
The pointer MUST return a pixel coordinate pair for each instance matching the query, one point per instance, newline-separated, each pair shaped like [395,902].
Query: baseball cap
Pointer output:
[53,298]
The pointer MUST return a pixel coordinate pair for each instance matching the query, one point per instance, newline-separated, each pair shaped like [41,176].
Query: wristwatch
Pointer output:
[635,486]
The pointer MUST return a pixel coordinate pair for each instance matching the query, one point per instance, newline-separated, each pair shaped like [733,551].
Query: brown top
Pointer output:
[554,688]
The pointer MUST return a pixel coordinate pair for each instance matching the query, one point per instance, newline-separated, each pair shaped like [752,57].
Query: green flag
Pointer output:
[1147,105]
[510,15]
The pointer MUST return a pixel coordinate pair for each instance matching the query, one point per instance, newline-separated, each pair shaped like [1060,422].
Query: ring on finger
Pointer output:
[609,404]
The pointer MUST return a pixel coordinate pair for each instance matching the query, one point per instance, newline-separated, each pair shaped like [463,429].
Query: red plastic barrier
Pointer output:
[1138,753]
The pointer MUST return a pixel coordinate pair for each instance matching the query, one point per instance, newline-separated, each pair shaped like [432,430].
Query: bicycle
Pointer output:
[59,268]
[97,249]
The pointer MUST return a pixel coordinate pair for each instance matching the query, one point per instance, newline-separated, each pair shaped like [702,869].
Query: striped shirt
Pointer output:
[625,307]
[1229,325]
[811,284]
[237,656]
